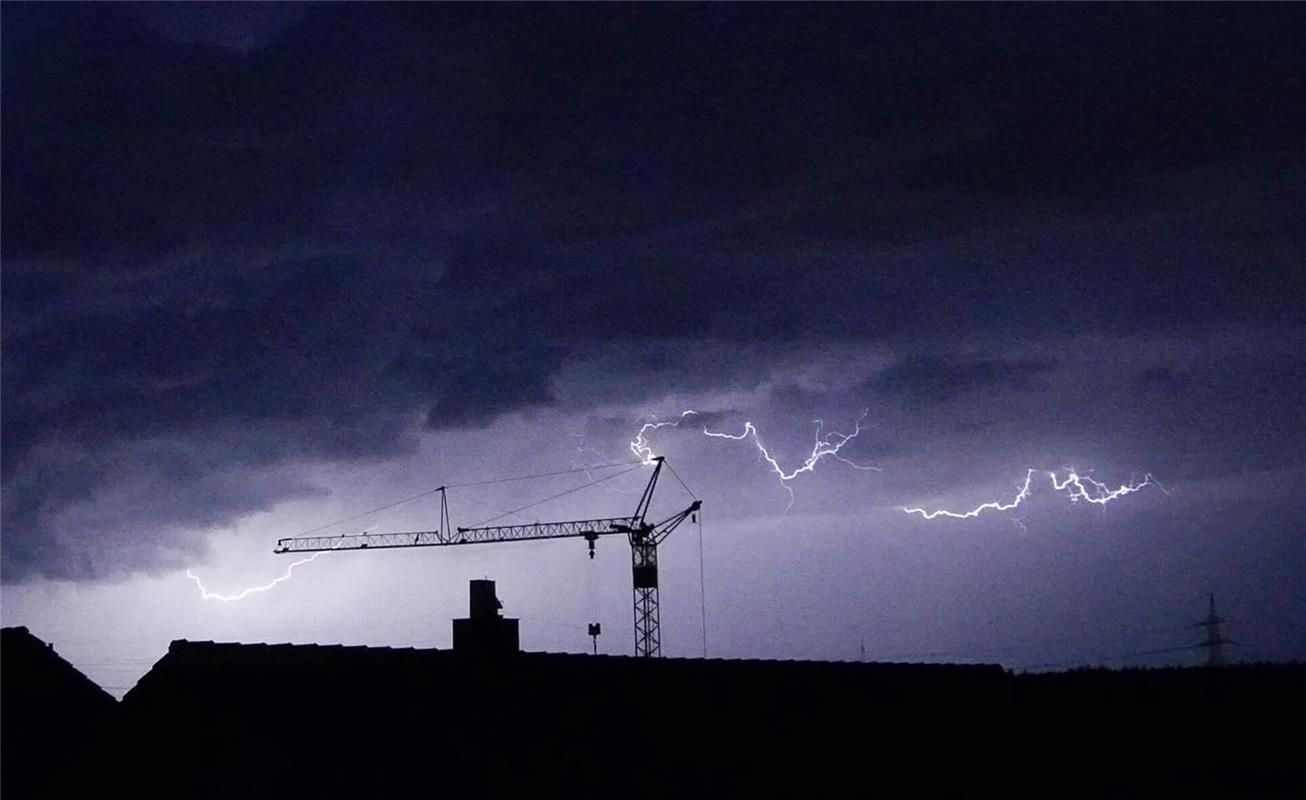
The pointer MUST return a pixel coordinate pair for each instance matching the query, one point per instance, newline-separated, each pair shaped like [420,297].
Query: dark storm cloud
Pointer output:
[321,227]
[242,27]
[932,379]
[161,488]
[486,391]
[1162,380]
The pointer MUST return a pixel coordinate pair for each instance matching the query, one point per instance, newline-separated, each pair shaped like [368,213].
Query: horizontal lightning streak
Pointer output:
[225,598]
[207,595]
[1079,488]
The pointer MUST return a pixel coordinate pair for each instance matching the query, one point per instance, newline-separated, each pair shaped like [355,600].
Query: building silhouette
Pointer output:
[54,721]
[223,720]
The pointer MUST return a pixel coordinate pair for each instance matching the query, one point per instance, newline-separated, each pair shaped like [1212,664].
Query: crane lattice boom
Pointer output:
[644,538]
[489,535]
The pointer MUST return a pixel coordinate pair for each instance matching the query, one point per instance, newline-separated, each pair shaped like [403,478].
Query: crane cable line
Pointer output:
[682,482]
[609,465]
[371,512]
[702,586]
[572,490]
[442,487]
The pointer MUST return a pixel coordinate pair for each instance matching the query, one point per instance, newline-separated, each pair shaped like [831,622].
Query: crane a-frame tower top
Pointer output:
[644,538]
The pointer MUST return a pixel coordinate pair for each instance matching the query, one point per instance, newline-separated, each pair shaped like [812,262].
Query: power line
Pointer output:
[1121,657]
[1019,643]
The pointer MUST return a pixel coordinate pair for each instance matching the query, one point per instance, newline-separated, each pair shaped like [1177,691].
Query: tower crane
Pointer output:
[643,536]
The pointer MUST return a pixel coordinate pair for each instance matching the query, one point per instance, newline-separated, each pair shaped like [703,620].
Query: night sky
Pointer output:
[268,266]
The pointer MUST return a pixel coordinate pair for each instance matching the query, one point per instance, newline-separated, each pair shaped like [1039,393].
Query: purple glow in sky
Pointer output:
[266,268]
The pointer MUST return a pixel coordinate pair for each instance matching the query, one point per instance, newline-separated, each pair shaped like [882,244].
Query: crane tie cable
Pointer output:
[370,513]
[543,474]
[428,492]
[681,480]
[572,490]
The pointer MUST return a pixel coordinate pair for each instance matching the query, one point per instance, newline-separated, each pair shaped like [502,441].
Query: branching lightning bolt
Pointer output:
[1079,488]
[228,598]
[825,445]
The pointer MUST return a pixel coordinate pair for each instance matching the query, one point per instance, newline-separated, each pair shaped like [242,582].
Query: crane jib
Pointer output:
[644,538]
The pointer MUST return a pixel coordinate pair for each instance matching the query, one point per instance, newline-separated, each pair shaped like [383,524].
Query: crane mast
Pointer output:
[643,536]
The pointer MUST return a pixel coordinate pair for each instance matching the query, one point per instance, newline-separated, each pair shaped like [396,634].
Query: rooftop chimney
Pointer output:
[485,632]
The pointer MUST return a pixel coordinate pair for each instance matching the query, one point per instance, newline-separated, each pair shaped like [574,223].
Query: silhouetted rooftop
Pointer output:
[36,673]
[53,719]
[215,660]
[223,719]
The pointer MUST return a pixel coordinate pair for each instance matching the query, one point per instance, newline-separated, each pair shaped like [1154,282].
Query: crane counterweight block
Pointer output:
[644,538]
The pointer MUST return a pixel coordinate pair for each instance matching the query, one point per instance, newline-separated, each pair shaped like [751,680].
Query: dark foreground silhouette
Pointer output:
[239,720]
